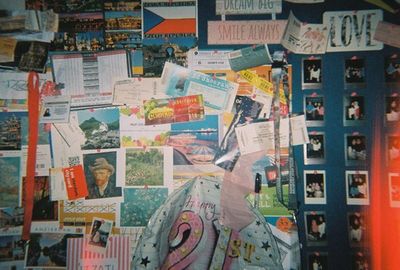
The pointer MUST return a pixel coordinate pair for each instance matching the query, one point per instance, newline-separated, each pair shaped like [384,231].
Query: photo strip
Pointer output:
[394,189]
[314,152]
[312,73]
[357,188]
[354,75]
[353,110]
[355,149]
[315,222]
[314,110]
[315,187]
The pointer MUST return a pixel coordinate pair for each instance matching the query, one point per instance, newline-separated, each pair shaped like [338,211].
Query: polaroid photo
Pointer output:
[314,110]
[101,128]
[357,229]
[314,151]
[99,234]
[139,205]
[353,110]
[392,71]
[317,261]
[357,188]
[354,73]
[355,149]
[315,187]
[315,222]
[312,73]
[103,172]
[393,150]
[392,109]
[360,261]
[394,189]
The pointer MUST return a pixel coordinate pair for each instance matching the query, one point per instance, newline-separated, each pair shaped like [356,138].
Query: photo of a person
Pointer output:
[356,148]
[315,149]
[314,185]
[317,261]
[354,108]
[393,150]
[392,108]
[357,228]
[99,233]
[354,71]
[314,110]
[316,228]
[46,112]
[392,69]
[312,73]
[360,262]
[394,189]
[357,187]
[100,175]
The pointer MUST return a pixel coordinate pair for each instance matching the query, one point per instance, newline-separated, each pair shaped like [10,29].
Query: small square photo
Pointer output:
[354,109]
[315,222]
[99,234]
[312,73]
[393,151]
[392,109]
[315,187]
[357,187]
[392,70]
[314,110]
[356,152]
[360,261]
[357,228]
[317,261]
[354,72]
[394,189]
[314,152]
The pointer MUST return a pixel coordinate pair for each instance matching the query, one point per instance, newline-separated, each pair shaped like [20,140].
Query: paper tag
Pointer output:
[249,57]
[75,182]
[255,137]
[299,130]
[55,109]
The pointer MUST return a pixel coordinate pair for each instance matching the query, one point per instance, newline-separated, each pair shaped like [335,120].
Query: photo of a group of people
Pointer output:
[392,70]
[316,228]
[314,110]
[356,152]
[317,261]
[392,109]
[393,150]
[312,73]
[354,72]
[357,187]
[357,228]
[314,152]
[314,186]
[354,109]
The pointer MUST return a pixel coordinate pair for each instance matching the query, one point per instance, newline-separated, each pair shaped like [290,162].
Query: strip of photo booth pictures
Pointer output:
[393,151]
[354,73]
[355,149]
[357,229]
[312,73]
[317,261]
[315,223]
[392,109]
[314,151]
[314,110]
[360,260]
[357,187]
[353,109]
[392,71]
[394,189]
[314,187]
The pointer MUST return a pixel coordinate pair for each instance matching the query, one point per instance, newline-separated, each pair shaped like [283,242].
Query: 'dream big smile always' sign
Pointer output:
[353,30]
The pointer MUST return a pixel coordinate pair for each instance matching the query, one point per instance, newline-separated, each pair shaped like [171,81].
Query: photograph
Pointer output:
[354,76]
[47,250]
[355,148]
[312,73]
[139,205]
[12,250]
[354,110]
[392,70]
[10,130]
[314,152]
[314,110]
[394,189]
[10,168]
[122,5]
[314,187]
[123,20]
[360,261]
[357,228]
[317,261]
[392,109]
[357,189]
[99,233]
[315,222]
[393,150]
[100,171]
[101,128]
[11,217]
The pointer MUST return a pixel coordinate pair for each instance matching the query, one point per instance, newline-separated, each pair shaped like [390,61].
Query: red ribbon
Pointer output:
[33,112]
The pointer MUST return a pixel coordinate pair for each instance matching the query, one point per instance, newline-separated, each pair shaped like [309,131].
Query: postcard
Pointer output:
[75,22]
[99,235]
[305,38]
[139,205]
[116,256]
[163,18]
[89,41]
[158,51]
[7,48]
[43,208]
[133,91]
[305,1]
[196,143]
[249,57]
[123,39]
[179,81]
[388,33]
[314,187]
[357,189]
[14,252]
[207,59]
[11,130]
[102,169]
[134,132]
[185,173]
[224,7]
[10,167]
[48,249]
[61,6]
[55,109]
[112,5]
[147,167]
[11,220]
[101,128]
[88,78]
[173,110]
[394,189]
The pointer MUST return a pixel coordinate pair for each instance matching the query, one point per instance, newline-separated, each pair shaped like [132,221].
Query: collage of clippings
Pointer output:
[139,128]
